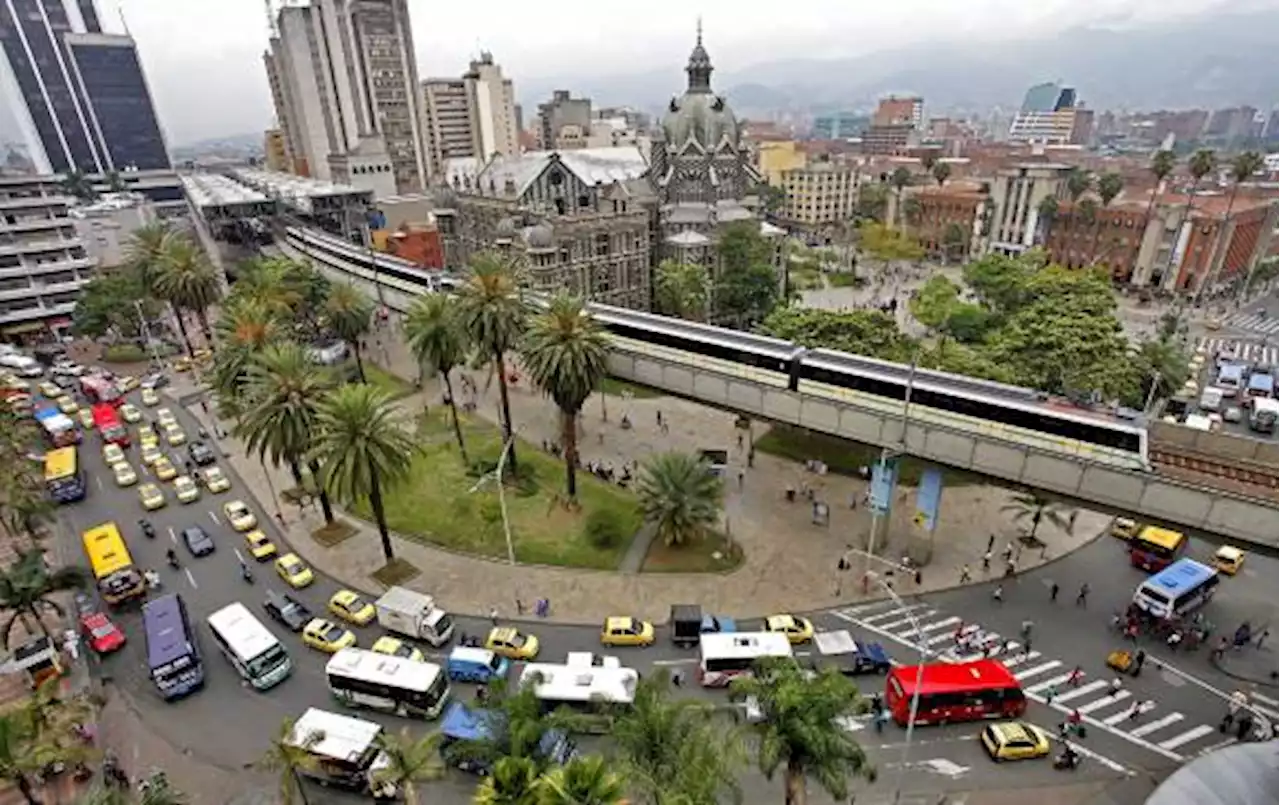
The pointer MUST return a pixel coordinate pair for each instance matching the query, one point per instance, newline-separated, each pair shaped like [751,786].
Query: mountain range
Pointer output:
[1209,60]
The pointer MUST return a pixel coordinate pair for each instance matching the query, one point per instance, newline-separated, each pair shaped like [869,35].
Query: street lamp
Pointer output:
[496,476]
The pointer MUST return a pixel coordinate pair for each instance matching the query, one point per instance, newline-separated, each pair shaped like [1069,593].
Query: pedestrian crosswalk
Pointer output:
[948,638]
[1255,352]
[1266,324]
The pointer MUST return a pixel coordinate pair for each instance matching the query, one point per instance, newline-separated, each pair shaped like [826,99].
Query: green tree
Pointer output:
[1243,167]
[287,390]
[584,780]
[934,302]
[679,497]
[1201,164]
[861,332]
[1079,182]
[1110,186]
[76,184]
[362,450]
[873,201]
[20,756]
[291,761]
[284,287]
[747,285]
[350,314]
[682,290]
[246,327]
[801,730]
[772,199]
[1000,282]
[941,172]
[955,242]
[434,332]
[513,781]
[899,179]
[518,728]
[27,588]
[144,252]
[567,356]
[412,761]
[115,183]
[1085,214]
[911,211]
[1047,211]
[107,304]
[1162,367]
[887,244]
[493,315]
[188,281]
[158,791]
[1030,510]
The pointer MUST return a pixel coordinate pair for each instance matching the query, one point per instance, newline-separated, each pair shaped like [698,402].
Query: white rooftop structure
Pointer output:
[304,194]
[590,165]
[219,197]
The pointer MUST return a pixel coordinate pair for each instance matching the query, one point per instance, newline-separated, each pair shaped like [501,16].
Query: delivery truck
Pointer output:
[415,615]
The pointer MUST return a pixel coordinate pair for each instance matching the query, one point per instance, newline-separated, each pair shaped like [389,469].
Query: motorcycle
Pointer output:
[148,530]
[172,559]
[246,574]
[1067,761]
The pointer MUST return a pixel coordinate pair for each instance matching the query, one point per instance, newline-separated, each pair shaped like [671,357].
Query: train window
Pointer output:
[711,349]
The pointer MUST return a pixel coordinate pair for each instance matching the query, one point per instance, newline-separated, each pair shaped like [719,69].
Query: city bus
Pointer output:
[949,692]
[118,580]
[107,420]
[250,647]
[58,428]
[724,656]
[359,678]
[1181,588]
[173,648]
[1156,548]
[63,476]
[598,693]
[345,752]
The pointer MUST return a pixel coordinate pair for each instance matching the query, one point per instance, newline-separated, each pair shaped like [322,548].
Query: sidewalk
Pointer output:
[789,565]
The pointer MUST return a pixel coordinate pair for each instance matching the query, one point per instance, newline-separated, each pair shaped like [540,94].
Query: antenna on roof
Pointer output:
[123,21]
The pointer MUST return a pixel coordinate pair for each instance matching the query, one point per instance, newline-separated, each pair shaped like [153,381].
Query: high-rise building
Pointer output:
[895,111]
[564,122]
[275,155]
[840,125]
[79,95]
[472,116]
[342,73]
[1052,115]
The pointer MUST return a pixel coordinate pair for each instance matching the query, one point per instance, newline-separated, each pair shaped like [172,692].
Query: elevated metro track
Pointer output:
[1096,468]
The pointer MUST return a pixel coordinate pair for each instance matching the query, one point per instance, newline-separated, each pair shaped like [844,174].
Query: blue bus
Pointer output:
[173,650]
[1181,588]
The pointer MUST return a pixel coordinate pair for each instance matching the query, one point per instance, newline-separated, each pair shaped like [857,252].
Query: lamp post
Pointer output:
[496,476]
[885,455]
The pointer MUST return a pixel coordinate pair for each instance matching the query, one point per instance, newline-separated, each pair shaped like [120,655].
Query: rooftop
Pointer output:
[214,189]
[591,166]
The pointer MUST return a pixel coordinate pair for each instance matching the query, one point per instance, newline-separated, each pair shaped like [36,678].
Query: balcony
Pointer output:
[51,267]
[26,202]
[42,245]
[36,312]
[34,224]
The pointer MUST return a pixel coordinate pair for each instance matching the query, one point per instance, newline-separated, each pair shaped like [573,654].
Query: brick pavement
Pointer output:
[789,565]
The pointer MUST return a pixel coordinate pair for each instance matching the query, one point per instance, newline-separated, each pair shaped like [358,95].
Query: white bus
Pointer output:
[597,691]
[345,751]
[359,678]
[732,654]
[255,652]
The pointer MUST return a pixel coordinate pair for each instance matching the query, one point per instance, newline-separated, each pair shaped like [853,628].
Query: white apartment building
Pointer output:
[471,116]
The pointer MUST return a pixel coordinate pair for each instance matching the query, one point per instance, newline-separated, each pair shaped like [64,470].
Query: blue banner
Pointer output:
[928,499]
[377,220]
[884,477]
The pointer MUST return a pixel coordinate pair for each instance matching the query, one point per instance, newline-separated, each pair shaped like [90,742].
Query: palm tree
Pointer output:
[287,389]
[437,340]
[911,211]
[801,729]
[77,184]
[411,761]
[1033,508]
[245,328]
[350,314]
[679,496]
[290,761]
[493,315]
[27,588]
[514,781]
[188,281]
[584,780]
[115,183]
[19,758]
[145,251]
[1243,167]
[566,355]
[361,449]
[519,727]
[1201,164]
[1110,185]
[1079,182]
[1047,212]
[279,284]
[1163,366]
[941,172]
[900,178]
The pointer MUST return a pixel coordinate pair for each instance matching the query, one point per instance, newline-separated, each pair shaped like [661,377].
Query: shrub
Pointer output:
[604,529]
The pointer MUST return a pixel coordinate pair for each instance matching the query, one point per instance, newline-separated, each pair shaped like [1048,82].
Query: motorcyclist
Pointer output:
[245,572]
[152,577]
[148,530]
[171,556]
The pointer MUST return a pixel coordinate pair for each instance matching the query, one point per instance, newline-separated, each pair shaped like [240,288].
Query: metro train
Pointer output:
[955,402]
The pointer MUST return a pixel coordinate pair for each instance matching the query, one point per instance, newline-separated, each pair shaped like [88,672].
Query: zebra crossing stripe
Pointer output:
[1266,700]
[1048,683]
[1104,702]
[942,624]
[906,621]
[1018,659]
[1039,669]
[1081,691]
[892,613]
[851,611]
[942,638]
[1187,737]
[1147,729]
[1115,719]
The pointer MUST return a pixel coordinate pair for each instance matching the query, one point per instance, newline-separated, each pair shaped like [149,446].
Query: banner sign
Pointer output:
[928,499]
[884,477]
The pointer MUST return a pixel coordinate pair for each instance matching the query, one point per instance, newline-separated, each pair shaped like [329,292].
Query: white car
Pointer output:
[165,417]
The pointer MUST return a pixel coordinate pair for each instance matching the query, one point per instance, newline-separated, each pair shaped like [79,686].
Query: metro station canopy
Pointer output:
[303,195]
[219,199]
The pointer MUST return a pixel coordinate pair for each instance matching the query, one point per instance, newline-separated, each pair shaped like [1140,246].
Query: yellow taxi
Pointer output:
[150,397]
[1124,528]
[294,571]
[395,647]
[151,496]
[67,405]
[1014,740]
[127,384]
[1228,560]
[175,436]
[238,515]
[86,418]
[50,390]
[164,469]
[112,454]
[186,489]
[165,417]
[125,476]
[215,480]
[625,631]
[147,436]
[796,628]
[351,607]
[327,636]
[260,545]
[202,355]
[130,413]
[151,453]
[182,364]
[511,643]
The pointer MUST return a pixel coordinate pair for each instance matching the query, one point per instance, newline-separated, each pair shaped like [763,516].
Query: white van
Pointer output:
[1211,398]
[22,365]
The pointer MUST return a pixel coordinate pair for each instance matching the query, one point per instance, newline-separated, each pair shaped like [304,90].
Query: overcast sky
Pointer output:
[204,65]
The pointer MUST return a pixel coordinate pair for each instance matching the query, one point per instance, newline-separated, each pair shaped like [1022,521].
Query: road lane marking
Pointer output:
[895,611]
[905,621]
[1019,659]
[214,518]
[98,480]
[239,558]
[1147,729]
[1080,749]
[936,639]
[1225,742]
[1039,669]
[1081,691]
[1101,703]
[173,536]
[929,627]
[864,608]
[1124,715]
[1187,737]
[689,661]
[1048,683]
[191,578]
[1266,699]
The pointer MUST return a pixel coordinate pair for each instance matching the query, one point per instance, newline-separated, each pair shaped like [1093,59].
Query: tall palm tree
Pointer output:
[1163,366]
[513,781]
[1079,182]
[411,761]
[27,588]
[287,389]
[187,280]
[1110,185]
[78,185]
[245,327]
[900,178]
[350,314]
[436,338]
[1047,212]
[362,449]
[19,756]
[1201,164]
[519,727]
[584,780]
[493,315]
[1243,167]
[1032,508]
[679,496]
[801,730]
[290,761]
[271,282]
[566,355]
[145,250]
[941,172]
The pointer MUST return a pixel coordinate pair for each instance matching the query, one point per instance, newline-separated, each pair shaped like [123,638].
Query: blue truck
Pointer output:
[462,724]
[851,657]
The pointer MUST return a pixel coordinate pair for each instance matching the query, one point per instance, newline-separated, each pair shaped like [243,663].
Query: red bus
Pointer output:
[101,389]
[108,423]
[965,691]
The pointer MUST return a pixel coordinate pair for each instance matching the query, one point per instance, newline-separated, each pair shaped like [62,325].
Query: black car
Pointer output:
[286,611]
[201,453]
[198,541]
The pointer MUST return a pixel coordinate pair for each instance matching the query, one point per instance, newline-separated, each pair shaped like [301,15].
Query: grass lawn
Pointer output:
[843,279]
[394,385]
[436,504]
[619,388]
[845,457]
[695,557]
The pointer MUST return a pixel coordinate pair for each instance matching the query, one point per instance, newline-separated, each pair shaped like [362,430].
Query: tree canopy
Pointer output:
[747,286]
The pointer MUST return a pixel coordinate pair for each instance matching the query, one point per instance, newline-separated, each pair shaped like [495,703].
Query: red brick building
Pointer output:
[419,244]
[938,209]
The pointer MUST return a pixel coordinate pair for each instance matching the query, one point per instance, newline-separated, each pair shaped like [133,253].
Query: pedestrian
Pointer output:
[1082,598]
[959,633]
[677,678]
[1053,591]
[659,415]
[1050,694]
[739,440]
[991,542]
[280,518]
[741,477]
[997,594]
[986,561]
[519,607]
[1116,685]
[1077,674]
[919,577]
[1262,638]
[965,575]
[1138,660]
[493,615]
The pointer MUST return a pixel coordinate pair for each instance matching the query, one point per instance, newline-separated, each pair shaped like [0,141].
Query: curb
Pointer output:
[1253,680]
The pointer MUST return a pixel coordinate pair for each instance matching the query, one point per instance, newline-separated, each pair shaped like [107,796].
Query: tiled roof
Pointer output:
[590,165]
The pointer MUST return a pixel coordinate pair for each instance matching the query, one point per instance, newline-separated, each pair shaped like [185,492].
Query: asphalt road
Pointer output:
[227,723]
